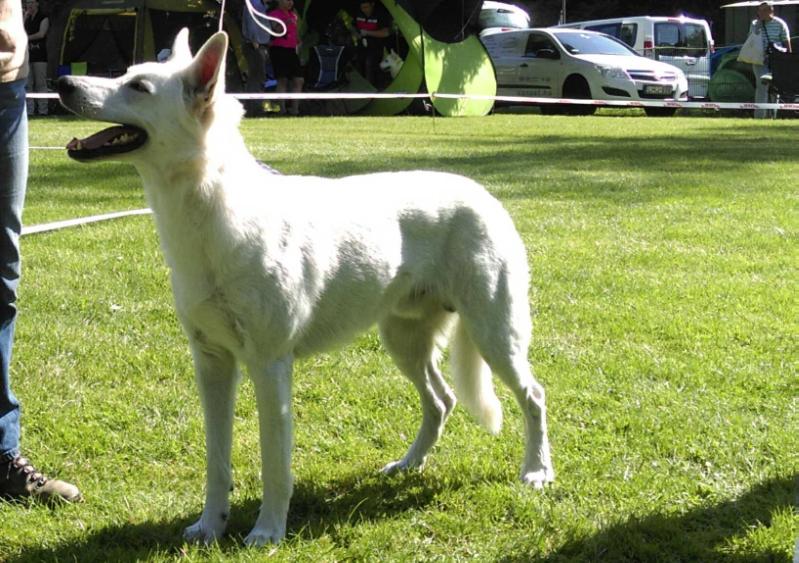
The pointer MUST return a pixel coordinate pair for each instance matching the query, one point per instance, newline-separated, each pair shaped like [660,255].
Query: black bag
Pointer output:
[772,48]
[775,48]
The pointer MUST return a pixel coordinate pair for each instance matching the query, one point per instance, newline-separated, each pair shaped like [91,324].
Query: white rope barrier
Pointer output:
[510,99]
[430,96]
[58,225]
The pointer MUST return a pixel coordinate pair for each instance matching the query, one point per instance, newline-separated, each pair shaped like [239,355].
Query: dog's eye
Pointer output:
[141,86]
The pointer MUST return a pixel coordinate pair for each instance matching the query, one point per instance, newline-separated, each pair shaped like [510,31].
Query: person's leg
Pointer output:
[18,477]
[13,180]
[282,85]
[40,86]
[296,87]
[256,75]
[278,56]
[371,63]
[761,90]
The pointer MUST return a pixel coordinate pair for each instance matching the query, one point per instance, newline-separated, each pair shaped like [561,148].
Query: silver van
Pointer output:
[683,42]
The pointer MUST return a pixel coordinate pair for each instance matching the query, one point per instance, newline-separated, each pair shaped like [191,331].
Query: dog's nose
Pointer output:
[65,85]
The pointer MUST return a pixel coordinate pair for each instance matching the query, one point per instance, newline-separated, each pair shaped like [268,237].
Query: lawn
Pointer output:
[665,257]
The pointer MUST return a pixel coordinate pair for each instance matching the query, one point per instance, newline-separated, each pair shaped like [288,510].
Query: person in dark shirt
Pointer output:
[373,27]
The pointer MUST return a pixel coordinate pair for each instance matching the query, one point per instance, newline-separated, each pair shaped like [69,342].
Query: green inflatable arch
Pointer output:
[463,67]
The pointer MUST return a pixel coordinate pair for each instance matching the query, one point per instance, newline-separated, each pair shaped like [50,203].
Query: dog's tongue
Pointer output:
[97,140]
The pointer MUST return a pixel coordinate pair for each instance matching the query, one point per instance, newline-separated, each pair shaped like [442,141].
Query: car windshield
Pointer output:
[502,17]
[592,44]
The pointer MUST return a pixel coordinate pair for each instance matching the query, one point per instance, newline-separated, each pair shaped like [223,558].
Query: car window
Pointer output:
[629,31]
[510,44]
[675,39]
[592,44]
[613,29]
[536,43]
[625,32]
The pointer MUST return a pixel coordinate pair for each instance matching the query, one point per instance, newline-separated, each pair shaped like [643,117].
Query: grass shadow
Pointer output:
[316,510]
[322,509]
[697,535]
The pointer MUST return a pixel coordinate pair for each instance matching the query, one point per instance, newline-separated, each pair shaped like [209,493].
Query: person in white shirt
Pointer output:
[772,30]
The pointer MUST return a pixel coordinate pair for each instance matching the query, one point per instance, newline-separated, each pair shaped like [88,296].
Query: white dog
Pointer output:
[391,63]
[267,268]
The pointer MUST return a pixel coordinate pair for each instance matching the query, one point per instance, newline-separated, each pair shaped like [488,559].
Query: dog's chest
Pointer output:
[211,316]
[210,302]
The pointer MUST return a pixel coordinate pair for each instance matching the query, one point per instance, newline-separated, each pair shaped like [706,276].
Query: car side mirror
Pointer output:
[547,54]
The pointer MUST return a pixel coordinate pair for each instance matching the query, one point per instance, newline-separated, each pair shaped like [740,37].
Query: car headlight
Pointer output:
[612,72]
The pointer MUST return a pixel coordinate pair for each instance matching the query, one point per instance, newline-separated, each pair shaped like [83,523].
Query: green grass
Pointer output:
[665,258]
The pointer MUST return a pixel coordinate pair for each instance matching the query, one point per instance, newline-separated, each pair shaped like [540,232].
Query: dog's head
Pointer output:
[392,63]
[158,107]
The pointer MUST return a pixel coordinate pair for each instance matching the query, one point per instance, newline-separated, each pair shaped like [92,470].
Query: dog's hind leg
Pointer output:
[411,343]
[273,396]
[502,340]
[217,379]
[494,309]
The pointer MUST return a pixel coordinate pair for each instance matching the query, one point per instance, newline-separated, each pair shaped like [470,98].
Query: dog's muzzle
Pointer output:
[109,142]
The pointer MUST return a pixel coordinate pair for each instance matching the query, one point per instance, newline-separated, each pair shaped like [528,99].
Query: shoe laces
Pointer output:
[32,475]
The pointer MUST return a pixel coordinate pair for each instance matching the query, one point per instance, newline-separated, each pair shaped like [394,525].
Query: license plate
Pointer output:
[657,89]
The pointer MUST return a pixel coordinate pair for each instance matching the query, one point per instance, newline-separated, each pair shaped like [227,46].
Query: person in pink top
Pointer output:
[283,52]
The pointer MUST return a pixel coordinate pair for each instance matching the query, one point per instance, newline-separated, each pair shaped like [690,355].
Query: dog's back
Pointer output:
[332,257]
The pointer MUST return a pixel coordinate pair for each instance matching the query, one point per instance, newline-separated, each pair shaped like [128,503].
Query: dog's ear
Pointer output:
[205,76]
[180,47]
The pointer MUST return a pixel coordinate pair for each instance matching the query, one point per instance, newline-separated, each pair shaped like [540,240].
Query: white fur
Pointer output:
[266,268]
[391,63]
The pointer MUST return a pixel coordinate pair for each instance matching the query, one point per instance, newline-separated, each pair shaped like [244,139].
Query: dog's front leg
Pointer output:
[273,396]
[217,378]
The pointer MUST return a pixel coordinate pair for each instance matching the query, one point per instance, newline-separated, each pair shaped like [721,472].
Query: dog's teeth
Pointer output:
[122,139]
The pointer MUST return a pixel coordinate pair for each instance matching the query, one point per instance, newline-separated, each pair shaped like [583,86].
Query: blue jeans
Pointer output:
[13,181]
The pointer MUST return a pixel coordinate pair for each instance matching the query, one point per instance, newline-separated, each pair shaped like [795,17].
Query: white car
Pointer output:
[579,64]
[683,42]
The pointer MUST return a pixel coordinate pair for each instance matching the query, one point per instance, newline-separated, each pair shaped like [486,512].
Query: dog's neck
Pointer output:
[193,171]
[187,195]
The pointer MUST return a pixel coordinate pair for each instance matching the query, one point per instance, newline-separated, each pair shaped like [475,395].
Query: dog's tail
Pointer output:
[472,377]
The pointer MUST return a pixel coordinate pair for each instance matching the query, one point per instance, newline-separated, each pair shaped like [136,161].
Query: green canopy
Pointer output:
[104,37]
[459,67]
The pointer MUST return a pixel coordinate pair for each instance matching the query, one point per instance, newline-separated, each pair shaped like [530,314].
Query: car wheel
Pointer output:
[660,112]
[577,88]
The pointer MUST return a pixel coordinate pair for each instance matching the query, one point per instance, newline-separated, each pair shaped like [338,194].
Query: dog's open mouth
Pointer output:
[114,140]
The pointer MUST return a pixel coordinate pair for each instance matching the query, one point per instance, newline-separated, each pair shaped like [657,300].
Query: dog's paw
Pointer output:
[260,537]
[538,479]
[401,465]
[204,533]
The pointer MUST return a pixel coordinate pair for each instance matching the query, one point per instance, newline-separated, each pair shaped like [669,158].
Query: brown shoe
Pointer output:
[18,479]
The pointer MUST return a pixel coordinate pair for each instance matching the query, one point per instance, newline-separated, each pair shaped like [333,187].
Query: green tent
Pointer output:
[104,37]
[732,81]
[459,66]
